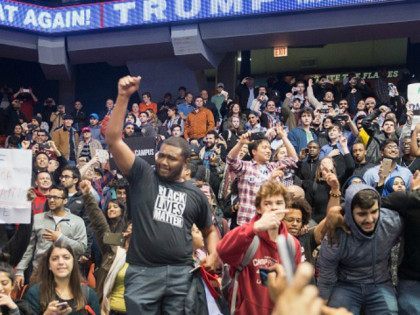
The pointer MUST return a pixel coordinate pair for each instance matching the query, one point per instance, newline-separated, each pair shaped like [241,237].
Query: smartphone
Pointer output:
[26,91]
[264,275]
[287,259]
[257,135]
[386,166]
[116,239]
[62,306]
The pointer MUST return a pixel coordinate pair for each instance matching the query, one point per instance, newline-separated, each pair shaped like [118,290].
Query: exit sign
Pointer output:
[280,51]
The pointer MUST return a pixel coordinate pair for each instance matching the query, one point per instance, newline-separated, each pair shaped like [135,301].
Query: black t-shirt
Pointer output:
[163,214]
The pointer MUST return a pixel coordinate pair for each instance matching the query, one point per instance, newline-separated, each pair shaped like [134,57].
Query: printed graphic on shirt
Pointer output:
[170,206]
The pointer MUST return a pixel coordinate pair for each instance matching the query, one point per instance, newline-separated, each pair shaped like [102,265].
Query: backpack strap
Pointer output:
[250,253]
[292,248]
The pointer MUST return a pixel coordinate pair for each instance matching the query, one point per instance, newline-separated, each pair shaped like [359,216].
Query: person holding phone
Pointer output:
[379,174]
[252,296]
[58,289]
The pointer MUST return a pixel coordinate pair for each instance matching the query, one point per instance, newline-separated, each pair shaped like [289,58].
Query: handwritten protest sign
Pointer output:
[15,180]
[413,95]
[143,147]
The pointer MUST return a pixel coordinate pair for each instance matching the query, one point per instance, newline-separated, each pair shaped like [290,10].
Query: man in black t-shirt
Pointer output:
[163,209]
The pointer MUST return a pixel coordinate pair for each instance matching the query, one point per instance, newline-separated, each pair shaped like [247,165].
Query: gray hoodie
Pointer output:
[358,258]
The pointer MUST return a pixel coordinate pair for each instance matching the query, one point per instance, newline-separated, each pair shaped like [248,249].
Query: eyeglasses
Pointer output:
[291,220]
[392,147]
[54,197]
[65,177]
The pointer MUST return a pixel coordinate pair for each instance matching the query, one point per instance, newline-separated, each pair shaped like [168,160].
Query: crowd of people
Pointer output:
[298,197]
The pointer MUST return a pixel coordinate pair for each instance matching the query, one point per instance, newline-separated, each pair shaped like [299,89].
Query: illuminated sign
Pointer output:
[280,51]
[56,20]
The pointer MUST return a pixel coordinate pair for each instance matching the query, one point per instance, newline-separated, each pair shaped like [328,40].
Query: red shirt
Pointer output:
[143,107]
[253,297]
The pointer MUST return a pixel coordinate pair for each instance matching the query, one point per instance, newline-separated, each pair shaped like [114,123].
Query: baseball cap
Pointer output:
[68,116]
[94,115]
[85,129]
[220,84]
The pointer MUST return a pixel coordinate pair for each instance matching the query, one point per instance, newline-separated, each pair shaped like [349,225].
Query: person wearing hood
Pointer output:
[355,272]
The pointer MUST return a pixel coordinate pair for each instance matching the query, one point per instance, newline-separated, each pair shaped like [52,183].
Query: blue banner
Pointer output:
[116,14]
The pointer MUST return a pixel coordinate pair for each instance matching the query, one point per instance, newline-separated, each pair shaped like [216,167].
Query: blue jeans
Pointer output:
[377,299]
[156,290]
[408,297]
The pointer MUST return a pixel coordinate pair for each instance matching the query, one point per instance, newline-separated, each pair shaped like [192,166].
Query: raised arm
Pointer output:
[123,156]
[311,97]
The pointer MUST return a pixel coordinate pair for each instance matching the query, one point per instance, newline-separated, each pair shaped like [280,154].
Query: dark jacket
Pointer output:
[77,206]
[307,168]
[408,206]
[377,137]
[33,298]
[242,95]
[358,258]
[23,306]
[360,169]
[100,227]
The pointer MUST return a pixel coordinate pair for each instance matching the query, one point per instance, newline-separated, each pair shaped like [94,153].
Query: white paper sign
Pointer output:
[413,93]
[15,180]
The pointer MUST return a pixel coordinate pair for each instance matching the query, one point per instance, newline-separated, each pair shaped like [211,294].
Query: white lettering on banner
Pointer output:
[124,8]
[46,20]
[225,6]
[154,7]
[170,206]
[30,18]
[144,152]
[15,180]
[182,13]
[11,10]
[256,4]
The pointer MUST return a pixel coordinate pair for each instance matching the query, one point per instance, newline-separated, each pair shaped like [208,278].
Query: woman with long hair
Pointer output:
[234,111]
[7,304]
[58,289]
[14,140]
[111,273]
[115,215]
[235,128]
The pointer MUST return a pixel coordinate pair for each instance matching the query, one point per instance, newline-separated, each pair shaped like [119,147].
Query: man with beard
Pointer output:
[359,156]
[376,174]
[307,167]
[163,208]
[57,226]
[211,148]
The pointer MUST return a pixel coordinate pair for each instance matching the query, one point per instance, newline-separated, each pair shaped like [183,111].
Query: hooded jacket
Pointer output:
[253,297]
[358,258]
